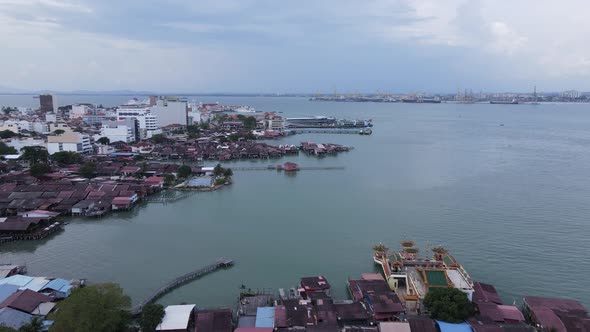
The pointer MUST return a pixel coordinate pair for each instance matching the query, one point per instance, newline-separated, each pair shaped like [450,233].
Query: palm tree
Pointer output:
[380,248]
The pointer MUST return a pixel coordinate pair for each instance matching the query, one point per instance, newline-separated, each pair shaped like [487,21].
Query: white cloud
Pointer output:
[70,6]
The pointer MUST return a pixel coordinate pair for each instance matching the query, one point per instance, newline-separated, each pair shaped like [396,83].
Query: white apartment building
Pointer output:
[122,130]
[72,141]
[170,110]
[19,143]
[10,125]
[148,123]
[78,110]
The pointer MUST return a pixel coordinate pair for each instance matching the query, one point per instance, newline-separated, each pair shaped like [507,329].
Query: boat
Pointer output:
[504,102]
[311,122]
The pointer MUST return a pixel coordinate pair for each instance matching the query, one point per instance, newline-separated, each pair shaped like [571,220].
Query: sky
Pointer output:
[271,46]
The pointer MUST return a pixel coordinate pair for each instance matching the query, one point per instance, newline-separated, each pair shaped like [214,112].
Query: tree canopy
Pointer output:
[66,157]
[7,134]
[184,171]
[87,170]
[103,141]
[448,304]
[97,308]
[39,169]
[218,170]
[151,317]
[5,149]
[59,131]
[158,138]
[35,154]
[249,123]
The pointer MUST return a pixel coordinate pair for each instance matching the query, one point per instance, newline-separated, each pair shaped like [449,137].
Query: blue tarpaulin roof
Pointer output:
[7,290]
[14,318]
[265,317]
[448,327]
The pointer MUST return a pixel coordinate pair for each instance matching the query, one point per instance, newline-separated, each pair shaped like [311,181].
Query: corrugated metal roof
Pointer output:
[176,317]
[265,317]
[60,285]
[7,290]
[14,318]
[18,280]
[394,327]
[448,327]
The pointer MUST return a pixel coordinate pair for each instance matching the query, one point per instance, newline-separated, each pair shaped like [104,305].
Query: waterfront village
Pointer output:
[89,160]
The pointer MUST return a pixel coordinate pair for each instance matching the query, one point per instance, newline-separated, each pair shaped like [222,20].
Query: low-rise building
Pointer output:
[120,131]
[178,318]
[73,142]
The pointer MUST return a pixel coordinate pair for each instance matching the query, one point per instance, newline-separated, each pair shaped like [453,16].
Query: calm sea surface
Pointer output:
[512,203]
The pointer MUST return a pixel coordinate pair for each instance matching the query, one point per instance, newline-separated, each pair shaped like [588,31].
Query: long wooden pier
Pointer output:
[183,279]
[355,131]
[274,168]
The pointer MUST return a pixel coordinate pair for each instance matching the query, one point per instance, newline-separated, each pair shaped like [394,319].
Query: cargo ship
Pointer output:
[326,122]
[504,102]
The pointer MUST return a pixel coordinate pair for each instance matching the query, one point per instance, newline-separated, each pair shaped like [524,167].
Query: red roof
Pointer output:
[25,300]
[154,179]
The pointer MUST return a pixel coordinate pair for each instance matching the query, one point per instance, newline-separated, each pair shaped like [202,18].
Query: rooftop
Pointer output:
[176,317]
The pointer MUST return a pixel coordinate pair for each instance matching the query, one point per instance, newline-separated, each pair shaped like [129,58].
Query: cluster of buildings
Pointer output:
[381,303]
[24,298]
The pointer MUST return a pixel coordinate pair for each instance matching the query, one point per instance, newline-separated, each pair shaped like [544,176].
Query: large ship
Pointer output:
[326,122]
[504,102]
[421,100]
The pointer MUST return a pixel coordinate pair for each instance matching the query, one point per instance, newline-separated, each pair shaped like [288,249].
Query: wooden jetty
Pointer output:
[167,198]
[183,279]
[355,131]
[274,168]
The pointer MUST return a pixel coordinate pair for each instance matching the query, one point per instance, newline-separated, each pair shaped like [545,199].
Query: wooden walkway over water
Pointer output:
[274,168]
[168,197]
[183,279]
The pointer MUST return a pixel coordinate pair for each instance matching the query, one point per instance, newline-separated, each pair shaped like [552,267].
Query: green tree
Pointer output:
[59,132]
[218,170]
[97,308]
[87,170]
[66,158]
[103,141]
[7,134]
[39,169]
[5,149]
[169,179]
[448,304]
[4,328]
[158,138]
[184,171]
[35,154]
[228,172]
[151,317]
[7,110]
[35,325]
[138,157]
[204,125]
[249,123]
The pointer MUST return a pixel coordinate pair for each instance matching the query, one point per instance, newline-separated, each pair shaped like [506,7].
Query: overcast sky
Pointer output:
[295,46]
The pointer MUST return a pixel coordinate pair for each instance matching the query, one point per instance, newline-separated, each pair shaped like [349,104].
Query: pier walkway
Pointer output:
[168,197]
[183,279]
[355,131]
[274,168]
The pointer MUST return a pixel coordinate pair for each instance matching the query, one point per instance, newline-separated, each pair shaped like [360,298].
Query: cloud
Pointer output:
[305,45]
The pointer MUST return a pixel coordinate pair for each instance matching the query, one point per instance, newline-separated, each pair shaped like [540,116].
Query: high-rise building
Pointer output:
[46,103]
[170,110]
[147,122]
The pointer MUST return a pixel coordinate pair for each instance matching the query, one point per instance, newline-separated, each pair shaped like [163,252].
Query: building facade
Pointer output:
[170,110]
[121,130]
[73,142]
[47,103]
[147,122]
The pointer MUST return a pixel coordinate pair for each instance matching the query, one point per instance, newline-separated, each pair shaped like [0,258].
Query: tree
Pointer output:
[35,154]
[97,308]
[59,132]
[138,157]
[218,170]
[158,138]
[7,110]
[5,149]
[184,171]
[4,328]
[228,172]
[39,169]
[66,157]
[151,317]
[88,169]
[448,304]
[34,326]
[103,141]
[169,179]
[7,134]
[249,123]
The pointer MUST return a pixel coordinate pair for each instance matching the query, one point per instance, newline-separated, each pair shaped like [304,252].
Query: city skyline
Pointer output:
[265,46]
